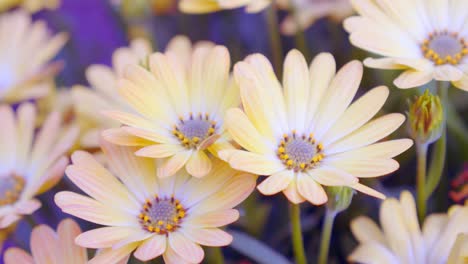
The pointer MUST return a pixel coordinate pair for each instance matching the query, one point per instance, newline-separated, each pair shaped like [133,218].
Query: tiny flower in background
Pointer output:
[459,192]
[209,6]
[426,39]
[425,118]
[48,246]
[26,47]
[309,11]
[171,217]
[31,164]
[401,240]
[309,134]
[181,107]
[31,6]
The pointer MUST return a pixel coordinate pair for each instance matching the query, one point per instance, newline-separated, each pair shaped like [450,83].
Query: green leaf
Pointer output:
[436,165]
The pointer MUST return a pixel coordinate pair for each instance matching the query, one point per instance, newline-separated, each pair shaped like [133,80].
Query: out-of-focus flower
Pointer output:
[425,118]
[48,246]
[209,6]
[459,192]
[459,252]
[401,240]
[30,164]
[309,134]
[58,100]
[25,49]
[309,11]
[181,107]
[31,6]
[426,39]
[170,217]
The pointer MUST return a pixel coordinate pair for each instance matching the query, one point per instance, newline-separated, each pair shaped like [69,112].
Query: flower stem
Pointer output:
[298,243]
[421,152]
[326,236]
[275,39]
[217,255]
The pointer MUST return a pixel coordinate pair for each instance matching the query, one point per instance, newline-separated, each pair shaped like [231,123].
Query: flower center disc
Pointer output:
[444,47]
[10,189]
[299,153]
[161,215]
[192,131]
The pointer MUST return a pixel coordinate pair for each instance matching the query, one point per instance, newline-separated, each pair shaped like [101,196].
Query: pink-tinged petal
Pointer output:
[7,140]
[45,245]
[311,190]
[171,257]
[213,219]
[413,78]
[330,176]
[276,183]
[138,235]
[292,193]
[373,253]
[17,255]
[365,229]
[174,164]
[367,190]
[364,168]
[104,237]
[53,175]
[186,248]
[381,150]
[26,121]
[71,253]
[91,210]
[107,256]
[199,164]
[160,150]
[152,248]
[211,237]
[121,137]
[27,207]
[8,219]
[253,163]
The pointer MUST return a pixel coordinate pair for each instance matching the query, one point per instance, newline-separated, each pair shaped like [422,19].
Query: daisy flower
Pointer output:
[309,134]
[25,49]
[209,6]
[401,240]
[171,217]
[31,164]
[31,6]
[426,39]
[48,246]
[180,109]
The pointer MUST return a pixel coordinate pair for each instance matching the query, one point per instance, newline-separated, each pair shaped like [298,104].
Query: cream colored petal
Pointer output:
[120,137]
[16,255]
[103,79]
[51,177]
[412,78]
[256,6]
[27,207]
[365,230]
[447,73]
[8,219]
[433,227]
[151,248]
[244,133]
[367,134]
[7,140]
[213,219]
[367,190]
[160,150]
[182,47]
[411,220]
[198,6]
[364,168]
[373,253]
[292,193]
[296,82]
[91,210]
[186,248]
[254,163]
[171,257]
[67,231]
[26,118]
[359,113]
[138,235]
[276,183]
[311,190]
[382,150]
[107,256]
[174,164]
[132,120]
[331,176]
[44,245]
[211,237]
[159,134]
[197,78]
[199,164]
[105,237]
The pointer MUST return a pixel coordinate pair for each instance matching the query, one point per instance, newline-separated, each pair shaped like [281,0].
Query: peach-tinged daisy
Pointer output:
[171,217]
[26,48]
[180,108]
[48,246]
[209,6]
[30,164]
[400,240]
[31,6]
[426,39]
[309,134]
[459,252]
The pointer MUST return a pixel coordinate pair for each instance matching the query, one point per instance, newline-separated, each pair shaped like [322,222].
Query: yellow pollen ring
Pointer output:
[454,57]
[161,216]
[289,160]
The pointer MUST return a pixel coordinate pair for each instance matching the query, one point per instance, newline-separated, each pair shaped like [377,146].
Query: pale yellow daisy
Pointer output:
[30,163]
[309,11]
[308,134]
[180,107]
[209,6]
[31,6]
[426,39]
[401,240]
[26,48]
[151,216]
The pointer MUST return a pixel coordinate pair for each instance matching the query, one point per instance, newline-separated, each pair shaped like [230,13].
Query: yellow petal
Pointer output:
[199,164]
[151,248]
[186,248]
[311,190]
[276,183]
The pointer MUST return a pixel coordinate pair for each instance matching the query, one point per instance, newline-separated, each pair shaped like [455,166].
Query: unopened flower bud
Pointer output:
[426,118]
[340,197]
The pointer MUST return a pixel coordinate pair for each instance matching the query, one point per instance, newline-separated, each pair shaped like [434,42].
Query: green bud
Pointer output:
[339,197]
[425,118]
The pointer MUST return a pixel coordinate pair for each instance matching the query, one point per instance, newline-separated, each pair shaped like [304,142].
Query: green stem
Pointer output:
[275,40]
[421,151]
[217,255]
[298,243]
[326,236]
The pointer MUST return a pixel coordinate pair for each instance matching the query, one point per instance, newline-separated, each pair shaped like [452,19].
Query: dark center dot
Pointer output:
[300,153]
[10,189]
[192,131]
[444,47]
[161,215]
